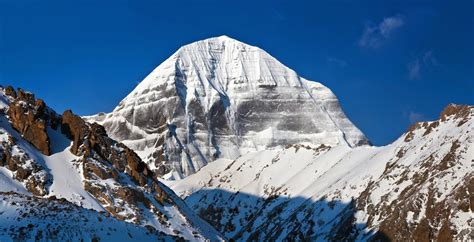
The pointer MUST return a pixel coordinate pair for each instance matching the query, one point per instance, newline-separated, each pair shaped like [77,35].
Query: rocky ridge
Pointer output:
[83,165]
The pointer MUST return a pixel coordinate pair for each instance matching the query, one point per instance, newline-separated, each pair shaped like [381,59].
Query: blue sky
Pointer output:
[390,63]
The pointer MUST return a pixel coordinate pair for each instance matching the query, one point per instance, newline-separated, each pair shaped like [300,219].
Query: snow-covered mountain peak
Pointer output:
[223,39]
[221,43]
[221,98]
[222,64]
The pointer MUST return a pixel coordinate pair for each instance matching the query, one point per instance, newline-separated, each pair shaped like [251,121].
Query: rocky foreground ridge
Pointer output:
[51,155]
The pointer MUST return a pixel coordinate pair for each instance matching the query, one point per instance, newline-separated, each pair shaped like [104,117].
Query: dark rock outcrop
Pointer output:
[105,158]
[74,128]
[460,112]
[91,140]
[30,117]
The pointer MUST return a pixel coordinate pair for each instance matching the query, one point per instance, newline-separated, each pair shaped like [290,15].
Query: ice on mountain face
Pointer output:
[221,98]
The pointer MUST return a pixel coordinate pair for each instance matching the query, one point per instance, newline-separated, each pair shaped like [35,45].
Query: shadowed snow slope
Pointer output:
[418,188]
[220,98]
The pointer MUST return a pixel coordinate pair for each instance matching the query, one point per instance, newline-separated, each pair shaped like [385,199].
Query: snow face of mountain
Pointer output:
[86,168]
[220,98]
[418,188]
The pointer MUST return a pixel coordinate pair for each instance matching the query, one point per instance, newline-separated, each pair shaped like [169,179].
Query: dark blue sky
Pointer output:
[389,63]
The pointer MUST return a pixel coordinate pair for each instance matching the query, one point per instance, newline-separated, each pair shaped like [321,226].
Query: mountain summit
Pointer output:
[221,98]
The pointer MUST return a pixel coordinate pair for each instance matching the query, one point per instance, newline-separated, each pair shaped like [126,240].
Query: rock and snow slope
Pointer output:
[27,218]
[221,98]
[88,170]
[418,188]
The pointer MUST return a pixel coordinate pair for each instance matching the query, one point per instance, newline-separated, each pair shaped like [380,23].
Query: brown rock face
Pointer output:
[457,110]
[29,116]
[104,158]
[103,172]
[74,128]
[91,140]
[10,91]
[460,112]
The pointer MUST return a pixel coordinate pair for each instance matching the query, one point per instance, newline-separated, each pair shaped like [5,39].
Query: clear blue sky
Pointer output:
[389,63]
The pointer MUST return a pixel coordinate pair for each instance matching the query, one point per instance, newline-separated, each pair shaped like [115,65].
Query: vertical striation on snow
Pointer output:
[221,98]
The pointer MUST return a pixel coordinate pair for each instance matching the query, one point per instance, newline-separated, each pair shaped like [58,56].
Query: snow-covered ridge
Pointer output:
[415,188]
[221,98]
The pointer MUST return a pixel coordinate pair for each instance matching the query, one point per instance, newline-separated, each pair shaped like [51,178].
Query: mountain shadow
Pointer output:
[245,217]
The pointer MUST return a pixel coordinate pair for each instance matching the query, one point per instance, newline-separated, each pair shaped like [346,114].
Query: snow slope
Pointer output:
[58,220]
[67,182]
[323,192]
[221,98]
[138,210]
[7,183]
